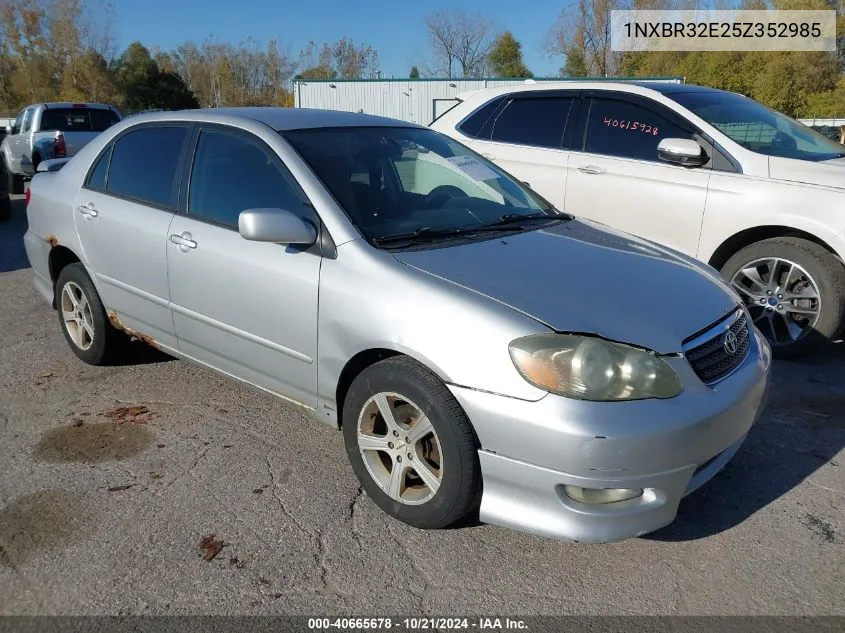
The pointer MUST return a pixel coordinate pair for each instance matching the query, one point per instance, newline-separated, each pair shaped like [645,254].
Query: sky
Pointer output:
[395,29]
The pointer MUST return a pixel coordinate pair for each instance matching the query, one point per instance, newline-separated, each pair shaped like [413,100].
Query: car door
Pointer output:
[615,176]
[122,213]
[246,308]
[17,142]
[525,136]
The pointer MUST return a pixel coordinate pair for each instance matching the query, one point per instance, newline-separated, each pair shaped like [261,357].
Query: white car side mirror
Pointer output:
[682,151]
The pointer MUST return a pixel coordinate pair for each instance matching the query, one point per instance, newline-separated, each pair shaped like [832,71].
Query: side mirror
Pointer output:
[275,225]
[8,129]
[682,151]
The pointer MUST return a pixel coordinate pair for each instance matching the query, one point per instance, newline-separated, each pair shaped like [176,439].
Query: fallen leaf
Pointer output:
[211,545]
[119,488]
[257,491]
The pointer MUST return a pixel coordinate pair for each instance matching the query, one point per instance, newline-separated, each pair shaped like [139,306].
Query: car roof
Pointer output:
[633,86]
[277,118]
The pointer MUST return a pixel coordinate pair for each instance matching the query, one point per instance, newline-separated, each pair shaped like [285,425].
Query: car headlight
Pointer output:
[590,368]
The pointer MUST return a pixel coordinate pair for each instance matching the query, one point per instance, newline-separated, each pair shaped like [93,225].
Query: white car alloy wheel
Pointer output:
[781,296]
[400,448]
[76,316]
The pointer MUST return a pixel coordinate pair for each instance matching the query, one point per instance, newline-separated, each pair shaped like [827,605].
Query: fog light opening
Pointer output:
[601,495]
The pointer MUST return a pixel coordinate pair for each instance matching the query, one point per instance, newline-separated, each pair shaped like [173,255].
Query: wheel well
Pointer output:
[353,367]
[60,256]
[745,238]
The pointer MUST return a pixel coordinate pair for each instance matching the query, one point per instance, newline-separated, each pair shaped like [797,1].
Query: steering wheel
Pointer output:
[441,194]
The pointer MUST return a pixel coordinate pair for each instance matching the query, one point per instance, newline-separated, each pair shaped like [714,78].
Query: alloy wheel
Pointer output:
[77,317]
[781,296]
[400,448]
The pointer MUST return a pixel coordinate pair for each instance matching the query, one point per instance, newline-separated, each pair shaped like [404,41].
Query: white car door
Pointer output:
[524,136]
[248,309]
[617,178]
[122,215]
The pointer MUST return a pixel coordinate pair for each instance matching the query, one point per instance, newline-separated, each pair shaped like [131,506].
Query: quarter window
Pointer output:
[97,179]
[144,165]
[231,174]
[627,130]
[533,121]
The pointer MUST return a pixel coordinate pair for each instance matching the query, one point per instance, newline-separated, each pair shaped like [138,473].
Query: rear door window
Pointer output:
[145,164]
[536,121]
[27,120]
[627,130]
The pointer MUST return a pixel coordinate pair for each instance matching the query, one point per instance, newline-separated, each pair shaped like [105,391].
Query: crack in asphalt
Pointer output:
[275,492]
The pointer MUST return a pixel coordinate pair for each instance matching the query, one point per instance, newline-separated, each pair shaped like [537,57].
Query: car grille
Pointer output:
[719,349]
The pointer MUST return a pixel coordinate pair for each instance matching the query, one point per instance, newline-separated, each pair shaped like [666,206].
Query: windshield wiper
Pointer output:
[504,223]
[516,218]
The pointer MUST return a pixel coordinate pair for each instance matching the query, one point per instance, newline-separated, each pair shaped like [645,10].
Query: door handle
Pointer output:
[88,209]
[183,241]
[591,169]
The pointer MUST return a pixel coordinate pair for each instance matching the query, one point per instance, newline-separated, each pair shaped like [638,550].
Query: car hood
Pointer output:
[828,173]
[580,277]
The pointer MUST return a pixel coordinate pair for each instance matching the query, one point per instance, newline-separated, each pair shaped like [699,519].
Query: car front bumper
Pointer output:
[668,448]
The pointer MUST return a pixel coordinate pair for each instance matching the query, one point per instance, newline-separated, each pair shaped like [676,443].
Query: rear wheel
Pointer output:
[83,319]
[411,445]
[794,290]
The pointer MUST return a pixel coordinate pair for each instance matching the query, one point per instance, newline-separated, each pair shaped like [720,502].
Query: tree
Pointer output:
[145,86]
[341,60]
[505,58]
[459,42]
[583,33]
[415,73]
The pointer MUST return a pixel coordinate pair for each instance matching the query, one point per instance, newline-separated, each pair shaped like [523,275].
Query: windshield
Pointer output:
[394,181]
[77,119]
[758,128]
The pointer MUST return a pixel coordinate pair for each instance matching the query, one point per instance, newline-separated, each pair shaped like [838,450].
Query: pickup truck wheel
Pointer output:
[14,183]
[83,319]
[411,445]
[794,290]
[5,208]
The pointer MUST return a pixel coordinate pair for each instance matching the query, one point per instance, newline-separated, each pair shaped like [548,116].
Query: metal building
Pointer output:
[414,100]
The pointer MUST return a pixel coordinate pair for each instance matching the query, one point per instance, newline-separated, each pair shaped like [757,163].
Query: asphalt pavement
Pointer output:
[114,479]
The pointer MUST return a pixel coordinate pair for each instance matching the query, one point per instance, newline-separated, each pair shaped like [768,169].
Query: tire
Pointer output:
[36,160]
[14,183]
[5,208]
[814,265]
[100,342]
[413,389]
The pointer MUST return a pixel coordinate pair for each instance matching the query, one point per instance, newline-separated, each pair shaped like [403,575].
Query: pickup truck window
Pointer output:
[16,126]
[27,120]
[77,119]
[144,163]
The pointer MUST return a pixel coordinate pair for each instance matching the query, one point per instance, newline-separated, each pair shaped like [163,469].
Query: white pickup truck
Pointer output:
[44,131]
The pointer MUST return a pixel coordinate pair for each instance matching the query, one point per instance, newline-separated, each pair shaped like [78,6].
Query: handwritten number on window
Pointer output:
[631,126]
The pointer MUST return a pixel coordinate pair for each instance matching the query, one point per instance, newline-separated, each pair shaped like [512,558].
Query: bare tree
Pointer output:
[460,42]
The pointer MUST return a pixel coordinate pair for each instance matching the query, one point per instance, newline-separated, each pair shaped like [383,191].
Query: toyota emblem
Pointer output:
[730,343]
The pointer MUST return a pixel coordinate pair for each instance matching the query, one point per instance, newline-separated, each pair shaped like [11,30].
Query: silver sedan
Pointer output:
[481,350]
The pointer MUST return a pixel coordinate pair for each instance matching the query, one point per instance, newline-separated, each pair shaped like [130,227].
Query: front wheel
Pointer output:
[14,183]
[411,445]
[794,290]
